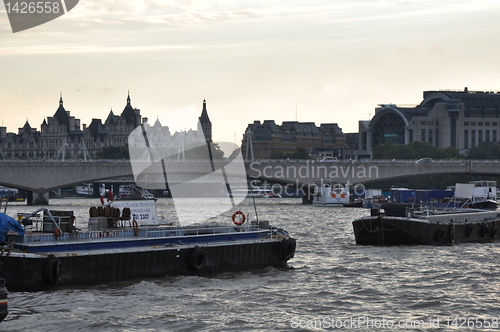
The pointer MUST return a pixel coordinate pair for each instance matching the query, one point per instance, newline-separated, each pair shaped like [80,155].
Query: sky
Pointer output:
[284,60]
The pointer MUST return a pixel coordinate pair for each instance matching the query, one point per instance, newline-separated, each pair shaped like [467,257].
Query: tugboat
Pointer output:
[426,227]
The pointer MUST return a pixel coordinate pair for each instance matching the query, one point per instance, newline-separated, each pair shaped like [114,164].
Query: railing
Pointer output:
[378,161]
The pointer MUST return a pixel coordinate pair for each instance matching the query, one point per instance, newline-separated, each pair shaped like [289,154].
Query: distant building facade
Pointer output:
[462,119]
[61,136]
[266,140]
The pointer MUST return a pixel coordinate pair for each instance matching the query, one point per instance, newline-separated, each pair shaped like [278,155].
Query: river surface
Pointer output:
[330,283]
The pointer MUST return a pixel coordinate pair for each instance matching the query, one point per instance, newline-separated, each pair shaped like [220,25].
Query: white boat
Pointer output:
[255,192]
[85,189]
[329,193]
[245,192]
[131,191]
[476,194]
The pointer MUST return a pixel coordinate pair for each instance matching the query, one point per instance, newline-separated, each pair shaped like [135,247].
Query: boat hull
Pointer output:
[390,230]
[44,271]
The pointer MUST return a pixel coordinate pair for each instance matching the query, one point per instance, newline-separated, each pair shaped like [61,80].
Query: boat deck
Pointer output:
[49,242]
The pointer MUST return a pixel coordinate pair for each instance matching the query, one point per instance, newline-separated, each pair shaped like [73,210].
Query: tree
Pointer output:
[485,151]
[413,150]
[300,153]
[114,152]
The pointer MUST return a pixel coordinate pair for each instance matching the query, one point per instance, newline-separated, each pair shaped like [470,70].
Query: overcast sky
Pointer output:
[311,60]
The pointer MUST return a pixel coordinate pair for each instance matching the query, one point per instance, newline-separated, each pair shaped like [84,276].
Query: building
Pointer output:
[62,137]
[268,140]
[458,118]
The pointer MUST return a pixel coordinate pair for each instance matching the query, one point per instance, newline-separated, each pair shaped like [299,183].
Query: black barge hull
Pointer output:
[34,272]
[389,230]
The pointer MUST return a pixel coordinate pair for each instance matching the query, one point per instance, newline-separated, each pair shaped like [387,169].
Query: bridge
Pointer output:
[39,178]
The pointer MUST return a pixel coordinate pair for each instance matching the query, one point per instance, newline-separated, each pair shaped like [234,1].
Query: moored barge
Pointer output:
[116,248]
[427,227]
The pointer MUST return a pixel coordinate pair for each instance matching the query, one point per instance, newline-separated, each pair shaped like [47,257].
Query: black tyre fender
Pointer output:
[484,230]
[197,259]
[494,231]
[287,249]
[438,236]
[468,229]
[451,234]
[52,272]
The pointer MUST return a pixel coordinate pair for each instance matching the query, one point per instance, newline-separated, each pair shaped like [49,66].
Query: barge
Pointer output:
[426,227]
[54,253]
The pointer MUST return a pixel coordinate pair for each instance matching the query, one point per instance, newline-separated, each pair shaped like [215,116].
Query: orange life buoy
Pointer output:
[241,220]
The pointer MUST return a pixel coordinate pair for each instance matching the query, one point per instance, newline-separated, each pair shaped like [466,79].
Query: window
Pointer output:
[473,123]
[466,123]
[487,138]
[422,135]
[430,136]
[423,123]
[437,138]
[479,123]
[480,136]
[466,139]
[472,138]
[487,124]
[494,134]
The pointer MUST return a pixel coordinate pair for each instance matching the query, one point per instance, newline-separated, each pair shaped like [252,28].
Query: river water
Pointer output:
[331,283]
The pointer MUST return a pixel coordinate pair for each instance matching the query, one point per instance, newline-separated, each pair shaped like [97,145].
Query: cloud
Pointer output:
[70,49]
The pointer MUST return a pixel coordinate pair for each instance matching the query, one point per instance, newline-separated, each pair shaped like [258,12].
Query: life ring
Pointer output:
[197,259]
[438,236]
[110,197]
[240,221]
[287,249]
[136,227]
[52,272]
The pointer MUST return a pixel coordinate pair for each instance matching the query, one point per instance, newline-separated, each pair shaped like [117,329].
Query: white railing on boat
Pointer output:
[141,232]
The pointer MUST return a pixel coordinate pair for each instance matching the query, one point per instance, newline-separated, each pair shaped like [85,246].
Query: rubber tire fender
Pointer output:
[52,272]
[287,249]
[197,259]
[438,236]
[451,234]
[484,230]
[468,229]
[494,231]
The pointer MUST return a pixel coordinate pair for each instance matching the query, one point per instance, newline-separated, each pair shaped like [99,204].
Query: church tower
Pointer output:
[205,123]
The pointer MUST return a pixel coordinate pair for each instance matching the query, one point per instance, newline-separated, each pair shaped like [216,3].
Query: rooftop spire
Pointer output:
[128,98]
[204,114]
[60,100]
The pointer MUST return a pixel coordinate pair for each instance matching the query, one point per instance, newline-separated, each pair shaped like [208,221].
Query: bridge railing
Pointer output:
[374,161]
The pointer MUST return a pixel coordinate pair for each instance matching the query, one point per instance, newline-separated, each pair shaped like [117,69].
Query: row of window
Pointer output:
[477,137]
[429,123]
[431,137]
[474,123]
